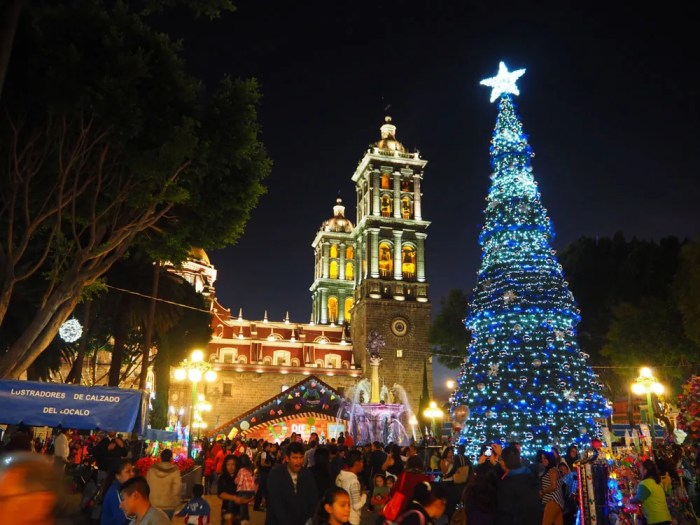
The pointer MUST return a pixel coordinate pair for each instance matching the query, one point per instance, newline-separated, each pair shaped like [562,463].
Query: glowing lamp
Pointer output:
[210,376]
[197,356]
[180,374]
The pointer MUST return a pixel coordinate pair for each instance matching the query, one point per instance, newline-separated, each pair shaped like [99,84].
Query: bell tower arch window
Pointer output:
[386,181]
[408,261]
[349,271]
[334,251]
[386,261]
[348,307]
[385,206]
[333,270]
[332,309]
[406,208]
[349,252]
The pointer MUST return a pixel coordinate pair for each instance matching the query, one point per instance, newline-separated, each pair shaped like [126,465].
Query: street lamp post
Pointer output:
[646,383]
[194,369]
[433,413]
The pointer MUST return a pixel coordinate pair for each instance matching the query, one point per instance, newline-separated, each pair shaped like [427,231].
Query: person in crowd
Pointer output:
[219,457]
[517,495]
[569,488]
[571,456]
[406,483]
[209,465]
[479,497]
[551,492]
[322,470]
[292,490]
[111,513]
[523,460]
[226,490]
[311,450]
[427,505]
[165,483]
[245,486]
[135,501]
[197,510]
[265,463]
[30,489]
[379,461]
[20,440]
[390,482]
[333,509]
[434,460]
[348,480]
[108,453]
[61,450]
[397,464]
[651,495]
[380,494]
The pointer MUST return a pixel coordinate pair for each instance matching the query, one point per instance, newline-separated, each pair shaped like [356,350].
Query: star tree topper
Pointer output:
[504,82]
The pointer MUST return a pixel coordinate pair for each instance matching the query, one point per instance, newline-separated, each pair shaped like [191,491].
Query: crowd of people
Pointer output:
[298,482]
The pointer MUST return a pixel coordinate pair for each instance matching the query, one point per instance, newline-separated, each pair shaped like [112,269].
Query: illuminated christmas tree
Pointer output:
[525,378]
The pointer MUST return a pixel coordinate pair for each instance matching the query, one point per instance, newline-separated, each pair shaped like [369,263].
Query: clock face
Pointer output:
[399,327]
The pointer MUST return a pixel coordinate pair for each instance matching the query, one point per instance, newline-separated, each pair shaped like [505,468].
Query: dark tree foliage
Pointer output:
[630,315]
[447,334]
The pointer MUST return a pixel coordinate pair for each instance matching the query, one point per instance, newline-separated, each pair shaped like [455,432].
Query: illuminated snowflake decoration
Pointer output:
[504,82]
[70,331]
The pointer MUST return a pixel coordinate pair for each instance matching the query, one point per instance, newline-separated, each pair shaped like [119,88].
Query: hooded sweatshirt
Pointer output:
[348,481]
[166,485]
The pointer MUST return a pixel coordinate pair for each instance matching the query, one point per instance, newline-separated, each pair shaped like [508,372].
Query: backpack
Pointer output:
[404,515]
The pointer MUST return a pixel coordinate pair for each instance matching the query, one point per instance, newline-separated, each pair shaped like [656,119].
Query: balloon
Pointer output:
[245,425]
[461,413]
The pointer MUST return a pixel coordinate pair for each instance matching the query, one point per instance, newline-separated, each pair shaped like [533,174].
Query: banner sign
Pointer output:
[72,406]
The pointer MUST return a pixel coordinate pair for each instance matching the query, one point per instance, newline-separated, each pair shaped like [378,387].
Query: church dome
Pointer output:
[198,254]
[338,223]
[388,140]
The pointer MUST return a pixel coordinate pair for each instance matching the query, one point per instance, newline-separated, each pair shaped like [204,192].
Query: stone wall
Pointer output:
[406,370]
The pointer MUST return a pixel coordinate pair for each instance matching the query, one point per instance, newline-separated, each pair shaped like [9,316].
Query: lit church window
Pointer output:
[408,261]
[349,271]
[386,181]
[334,251]
[333,270]
[386,262]
[386,206]
[349,252]
[332,309]
[406,208]
[348,307]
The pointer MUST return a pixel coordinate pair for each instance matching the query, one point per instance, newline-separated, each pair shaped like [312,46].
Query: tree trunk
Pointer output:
[148,336]
[6,291]
[121,331]
[8,27]
[36,337]
[159,417]
[76,371]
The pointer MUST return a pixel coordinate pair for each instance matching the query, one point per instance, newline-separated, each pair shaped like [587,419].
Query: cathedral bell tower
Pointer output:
[390,283]
[334,273]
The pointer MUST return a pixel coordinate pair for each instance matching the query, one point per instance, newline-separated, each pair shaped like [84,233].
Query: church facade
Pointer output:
[368,276]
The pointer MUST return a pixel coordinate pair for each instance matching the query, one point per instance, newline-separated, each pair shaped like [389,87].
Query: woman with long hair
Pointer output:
[651,495]
[333,509]
[427,505]
[412,475]
[480,495]
[551,492]
[226,490]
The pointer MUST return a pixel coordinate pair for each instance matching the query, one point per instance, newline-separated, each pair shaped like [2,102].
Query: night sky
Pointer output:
[609,100]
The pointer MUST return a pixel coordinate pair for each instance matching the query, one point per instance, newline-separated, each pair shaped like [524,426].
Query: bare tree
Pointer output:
[70,190]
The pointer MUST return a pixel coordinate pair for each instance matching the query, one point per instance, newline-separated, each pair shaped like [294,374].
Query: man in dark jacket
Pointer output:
[517,496]
[292,490]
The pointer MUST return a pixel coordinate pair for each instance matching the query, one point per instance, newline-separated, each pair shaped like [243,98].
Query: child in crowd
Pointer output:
[334,508]
[209,465]
[380,494]
[390,480]
[197,511]
[245,485]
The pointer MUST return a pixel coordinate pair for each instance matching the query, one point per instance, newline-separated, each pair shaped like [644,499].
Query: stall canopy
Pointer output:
[72,406]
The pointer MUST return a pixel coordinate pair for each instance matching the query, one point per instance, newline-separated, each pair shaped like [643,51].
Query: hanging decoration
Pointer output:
[71,330]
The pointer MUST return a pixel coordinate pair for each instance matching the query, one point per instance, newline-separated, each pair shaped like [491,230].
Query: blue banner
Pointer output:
[72,406]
